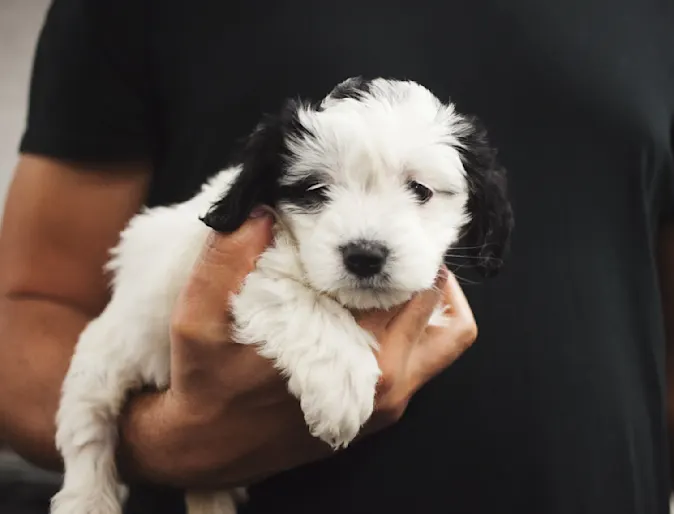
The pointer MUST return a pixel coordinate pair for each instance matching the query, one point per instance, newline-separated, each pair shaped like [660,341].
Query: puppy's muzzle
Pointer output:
[363,258]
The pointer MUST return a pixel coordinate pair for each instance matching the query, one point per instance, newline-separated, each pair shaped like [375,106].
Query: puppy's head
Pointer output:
[378,183]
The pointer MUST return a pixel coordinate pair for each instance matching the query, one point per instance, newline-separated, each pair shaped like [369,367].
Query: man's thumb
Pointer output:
[220,270]
[251,238]
[230,257]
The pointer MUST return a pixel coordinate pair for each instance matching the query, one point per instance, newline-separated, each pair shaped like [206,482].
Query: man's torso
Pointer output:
[559,407]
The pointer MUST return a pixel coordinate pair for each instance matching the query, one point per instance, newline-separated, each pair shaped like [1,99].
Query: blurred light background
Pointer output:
[20,22]
[22,488]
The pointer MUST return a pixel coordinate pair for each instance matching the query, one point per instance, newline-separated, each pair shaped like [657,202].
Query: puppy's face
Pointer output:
[375,192]
[374,185]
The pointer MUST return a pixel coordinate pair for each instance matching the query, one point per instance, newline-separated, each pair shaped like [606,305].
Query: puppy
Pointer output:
[372,187]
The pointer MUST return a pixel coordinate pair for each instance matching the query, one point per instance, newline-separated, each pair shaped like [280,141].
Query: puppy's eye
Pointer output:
[308,194]
[422,192]
[317,192]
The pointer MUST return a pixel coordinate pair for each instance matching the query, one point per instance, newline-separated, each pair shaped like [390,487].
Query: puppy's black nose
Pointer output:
[364,258]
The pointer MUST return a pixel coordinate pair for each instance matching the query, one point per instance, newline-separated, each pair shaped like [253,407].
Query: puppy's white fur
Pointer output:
[295,306]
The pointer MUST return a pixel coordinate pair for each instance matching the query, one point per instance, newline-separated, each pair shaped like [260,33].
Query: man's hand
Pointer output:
[227,418]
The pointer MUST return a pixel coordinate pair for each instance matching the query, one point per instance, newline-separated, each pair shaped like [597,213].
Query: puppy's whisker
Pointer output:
[477,247]
[460,256]
[473,257]
[465,281]
[468,282]
[460,279]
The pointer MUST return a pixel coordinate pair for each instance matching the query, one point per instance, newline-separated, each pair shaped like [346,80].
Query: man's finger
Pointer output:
[456,300]
[376,321]
[412,320]
[446,343]
[227,258]
[223,264]
[460,330]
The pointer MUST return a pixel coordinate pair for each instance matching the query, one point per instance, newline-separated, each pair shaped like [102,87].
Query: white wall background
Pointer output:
[20,21]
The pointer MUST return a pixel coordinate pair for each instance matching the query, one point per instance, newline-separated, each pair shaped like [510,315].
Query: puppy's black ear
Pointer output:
[262,160]
[354,87]
[486,237]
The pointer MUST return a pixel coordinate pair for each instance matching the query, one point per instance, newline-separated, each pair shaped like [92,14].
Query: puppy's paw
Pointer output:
[85,501]
[339,399]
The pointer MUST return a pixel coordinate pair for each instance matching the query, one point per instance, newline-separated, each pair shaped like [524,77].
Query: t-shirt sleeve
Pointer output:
[89,87]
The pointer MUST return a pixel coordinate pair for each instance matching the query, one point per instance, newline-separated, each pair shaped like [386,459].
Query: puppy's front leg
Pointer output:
[328,359]
[93,392]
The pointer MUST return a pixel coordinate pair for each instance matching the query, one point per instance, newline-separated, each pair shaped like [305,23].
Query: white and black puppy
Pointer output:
[372,187]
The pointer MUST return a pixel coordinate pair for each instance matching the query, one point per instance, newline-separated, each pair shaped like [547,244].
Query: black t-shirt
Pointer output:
[559,406]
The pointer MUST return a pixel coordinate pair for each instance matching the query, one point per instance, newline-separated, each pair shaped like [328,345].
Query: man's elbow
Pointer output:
[28,432]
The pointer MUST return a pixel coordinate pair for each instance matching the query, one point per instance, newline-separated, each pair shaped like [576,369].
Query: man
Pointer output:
[560,405]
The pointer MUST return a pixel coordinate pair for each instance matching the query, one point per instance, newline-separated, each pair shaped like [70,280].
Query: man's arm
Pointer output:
[60,221]
[227,417]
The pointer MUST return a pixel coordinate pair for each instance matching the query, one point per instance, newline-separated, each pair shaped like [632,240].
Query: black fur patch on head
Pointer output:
[263,161]
[354,87]
[486,237]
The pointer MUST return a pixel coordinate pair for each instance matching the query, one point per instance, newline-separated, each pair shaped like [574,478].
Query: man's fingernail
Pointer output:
[259,212]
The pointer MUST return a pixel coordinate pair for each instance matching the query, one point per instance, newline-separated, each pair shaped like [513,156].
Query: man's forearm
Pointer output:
[32,375]
[145,451]
[159,445]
